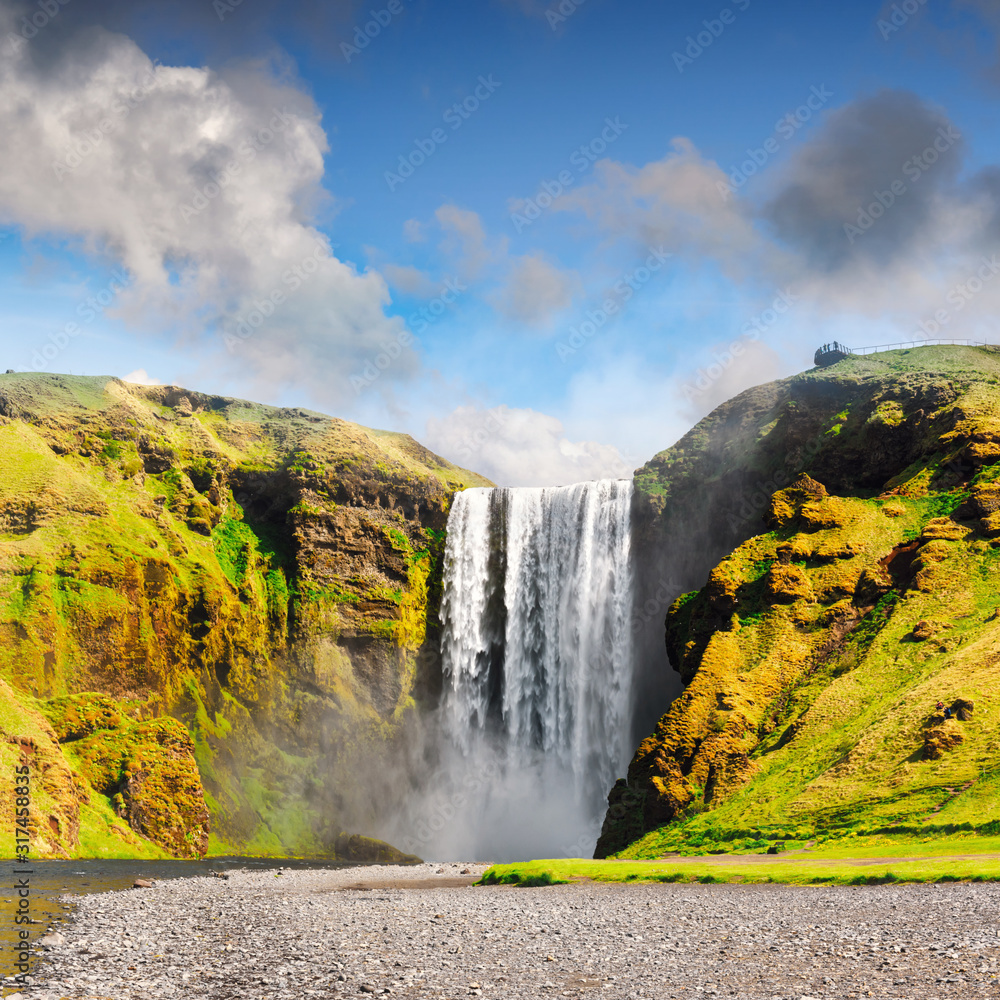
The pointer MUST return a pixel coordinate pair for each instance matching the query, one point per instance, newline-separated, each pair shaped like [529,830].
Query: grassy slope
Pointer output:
[738,433]
[809,709]
[946,860]
[128,566]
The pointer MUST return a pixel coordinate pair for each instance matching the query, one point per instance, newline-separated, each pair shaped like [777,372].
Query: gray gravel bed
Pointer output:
[302,935]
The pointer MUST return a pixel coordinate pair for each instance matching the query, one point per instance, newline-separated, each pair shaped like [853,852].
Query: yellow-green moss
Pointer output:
[148,771]
[411,629]
[812,708]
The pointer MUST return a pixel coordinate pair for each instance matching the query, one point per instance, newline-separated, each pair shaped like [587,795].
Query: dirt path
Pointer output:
[412,883]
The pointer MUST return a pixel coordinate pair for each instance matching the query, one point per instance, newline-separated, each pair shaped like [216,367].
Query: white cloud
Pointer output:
[465,240]
[203,186]
[413,231]
[528,289]
[535,291]
[729,369]
[625,399]
[521,447]
[674,201]
[141,377]
[929,253]
[410,280]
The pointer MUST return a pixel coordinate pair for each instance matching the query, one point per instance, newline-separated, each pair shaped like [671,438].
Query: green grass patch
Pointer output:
[384,628]
[332,593]
[520,876]
[104,835]
[234,543]
[398,540]
[798,870]
[391,595]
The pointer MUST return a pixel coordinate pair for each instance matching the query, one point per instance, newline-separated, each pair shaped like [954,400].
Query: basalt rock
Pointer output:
[962,709]
[940,739]
[366,850]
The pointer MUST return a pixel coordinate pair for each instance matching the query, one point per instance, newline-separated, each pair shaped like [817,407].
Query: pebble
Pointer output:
[253,937]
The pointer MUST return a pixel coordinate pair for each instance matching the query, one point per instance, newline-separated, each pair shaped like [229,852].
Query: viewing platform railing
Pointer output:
[930,342]
[830,354]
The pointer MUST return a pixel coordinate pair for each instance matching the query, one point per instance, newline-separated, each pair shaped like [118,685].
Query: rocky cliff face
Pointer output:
[216,618]
[846,521]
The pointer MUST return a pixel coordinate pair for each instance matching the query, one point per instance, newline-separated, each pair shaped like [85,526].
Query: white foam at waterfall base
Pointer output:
[537,663]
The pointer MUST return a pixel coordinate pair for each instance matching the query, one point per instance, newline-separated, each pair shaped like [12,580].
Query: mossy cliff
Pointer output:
[848,523]
[216,617]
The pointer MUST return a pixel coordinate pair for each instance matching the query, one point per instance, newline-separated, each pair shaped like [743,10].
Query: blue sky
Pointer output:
[625,115]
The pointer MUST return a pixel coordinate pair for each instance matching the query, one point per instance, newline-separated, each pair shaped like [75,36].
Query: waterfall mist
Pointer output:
[534,722]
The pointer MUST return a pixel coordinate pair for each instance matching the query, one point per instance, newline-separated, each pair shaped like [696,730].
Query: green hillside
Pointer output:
[815,655]
[238,595]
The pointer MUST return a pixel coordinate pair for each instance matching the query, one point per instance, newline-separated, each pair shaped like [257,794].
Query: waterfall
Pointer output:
[537,666]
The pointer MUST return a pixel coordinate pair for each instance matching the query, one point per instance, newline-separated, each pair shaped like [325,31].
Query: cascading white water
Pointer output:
[537,663]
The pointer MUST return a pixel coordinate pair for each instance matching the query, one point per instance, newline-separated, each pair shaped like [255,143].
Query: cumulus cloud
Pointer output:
[141,377]
[410,280]
[535,291]
[464,240]
[224,28]
[203,186]
[986,202]
[876,220]
[676,201]
[521,447]
[528,289]
[890,149]
[413,231]
[871,223]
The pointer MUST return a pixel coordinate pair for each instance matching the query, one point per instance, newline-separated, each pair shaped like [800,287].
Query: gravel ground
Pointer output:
[309,934]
